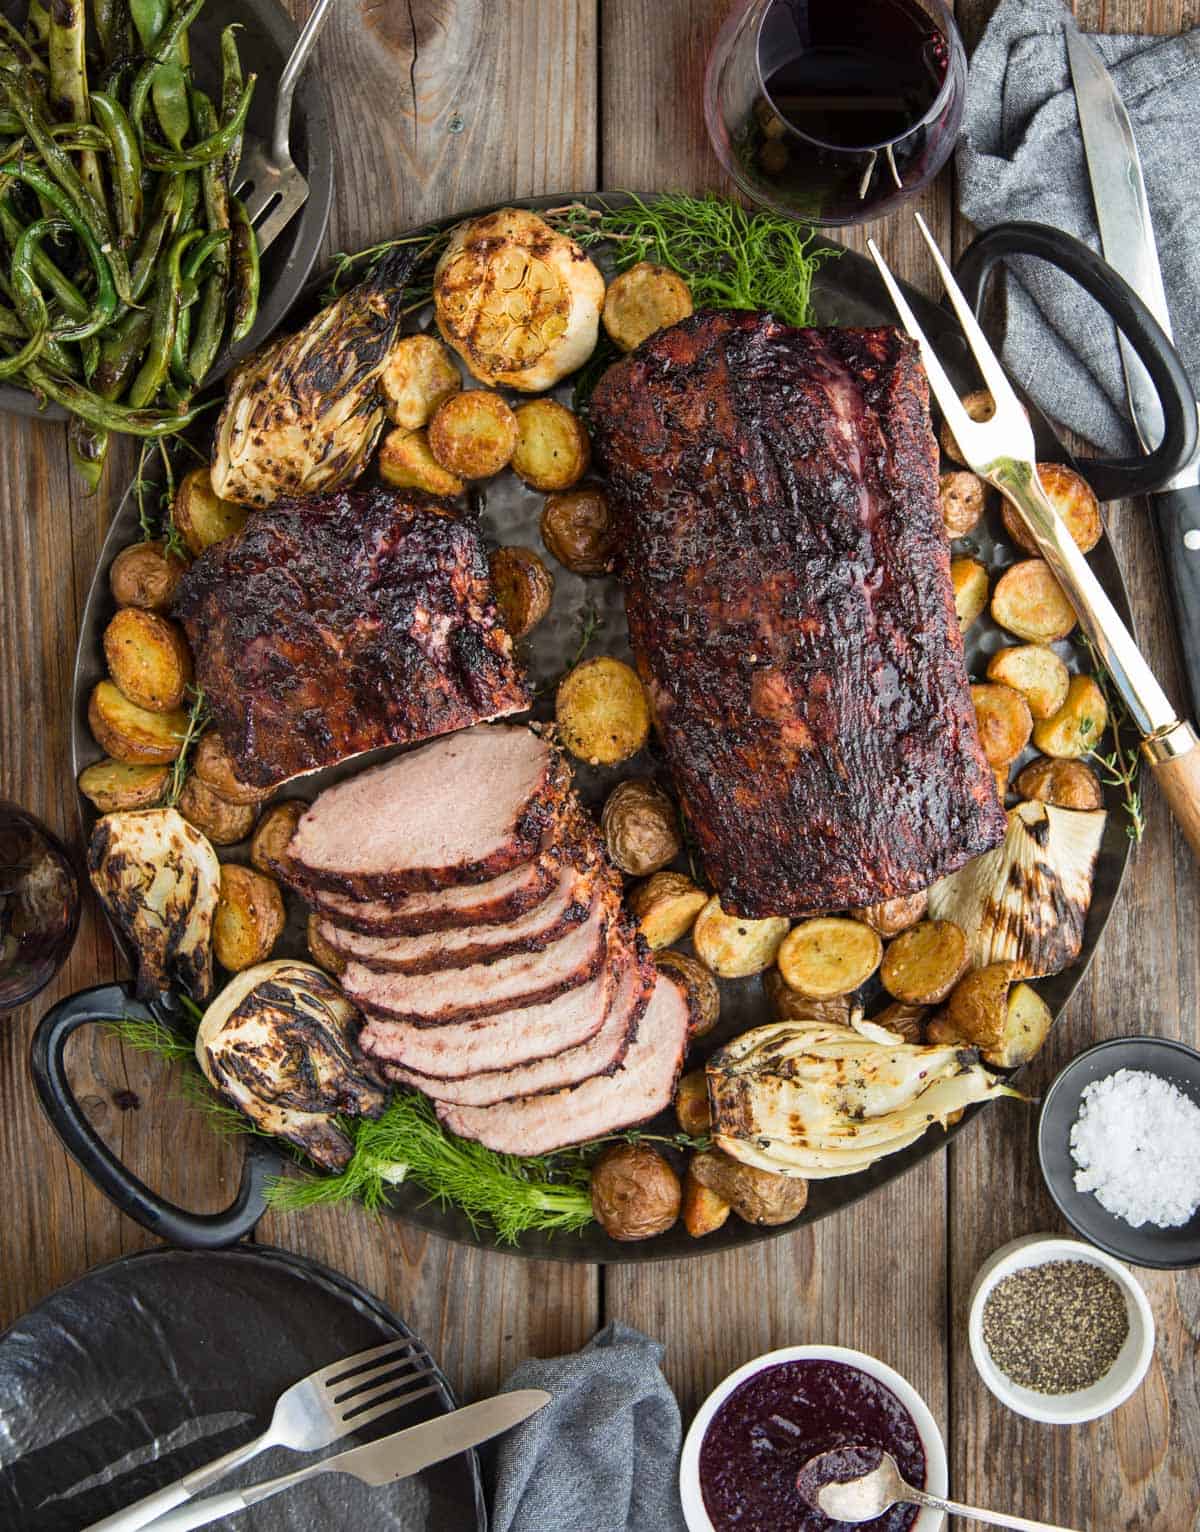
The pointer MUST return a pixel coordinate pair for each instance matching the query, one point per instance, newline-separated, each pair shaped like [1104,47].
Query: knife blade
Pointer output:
[1127,239]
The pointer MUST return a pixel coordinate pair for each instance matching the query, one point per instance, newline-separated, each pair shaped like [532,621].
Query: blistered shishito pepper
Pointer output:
[215,147]
[162,225]
[245,272]
[154,368]
[104,415]
[126,163]
[231,91]
[104,306]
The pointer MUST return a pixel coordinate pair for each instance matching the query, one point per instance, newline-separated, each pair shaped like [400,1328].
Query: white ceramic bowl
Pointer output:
[1122,1378]
[936,1473]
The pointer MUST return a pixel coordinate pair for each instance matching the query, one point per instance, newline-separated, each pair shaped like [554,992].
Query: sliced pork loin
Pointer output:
[464,809]
[495,902]
[600,1055]
[639,1089]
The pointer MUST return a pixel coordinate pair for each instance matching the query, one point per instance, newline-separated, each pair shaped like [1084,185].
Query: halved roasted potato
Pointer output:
[405,462]
[214,766]
[1073,499]
[907,1021]
[691,1103]
[732,946]
[223,823]
[249,919]
[1036,672]
[925,962]
[970,581]
[1068,784]
[473,434]
[199,514]
[268,849]
[553,450]
[602,712]
[642,300]
[131,733]
[146,575]
[1030,602]
[1004,722]
[979,406]
[703,991]
[322,954]
[787,1005]
[665,907]
[1000,776]
[523,588]
[148,659]
[112,786]
[577,528]
[1075,730]
[829,956]
[1008,1023]
[755,1195]
[963,495]
[420,374]
[704,1211]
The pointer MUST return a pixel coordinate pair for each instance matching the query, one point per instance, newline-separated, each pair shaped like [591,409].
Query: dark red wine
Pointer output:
[39,906]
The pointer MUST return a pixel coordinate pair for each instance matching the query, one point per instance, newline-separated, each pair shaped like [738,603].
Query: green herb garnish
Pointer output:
[197,722]
[1122,766]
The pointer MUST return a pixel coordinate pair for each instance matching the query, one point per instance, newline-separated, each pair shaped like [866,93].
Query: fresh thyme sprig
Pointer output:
[354,265]
[1121,767]
[588,623]
[197,722]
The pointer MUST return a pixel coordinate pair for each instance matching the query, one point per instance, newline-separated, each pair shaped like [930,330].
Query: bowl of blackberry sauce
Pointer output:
[756,1431]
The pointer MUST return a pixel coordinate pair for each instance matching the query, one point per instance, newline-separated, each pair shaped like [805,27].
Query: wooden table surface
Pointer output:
[439,105]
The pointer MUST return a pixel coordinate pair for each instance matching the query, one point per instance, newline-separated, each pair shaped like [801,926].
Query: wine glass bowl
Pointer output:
[39,906]
[834,112]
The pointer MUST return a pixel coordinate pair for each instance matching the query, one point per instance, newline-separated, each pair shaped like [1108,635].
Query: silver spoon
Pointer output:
[863,1498]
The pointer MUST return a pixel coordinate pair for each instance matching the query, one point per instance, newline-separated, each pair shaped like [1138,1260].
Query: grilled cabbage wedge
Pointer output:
[303,415]
[818,1100]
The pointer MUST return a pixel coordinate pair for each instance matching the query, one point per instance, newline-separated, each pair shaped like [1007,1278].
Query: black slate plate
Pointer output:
[155,1364]
[1167,1249]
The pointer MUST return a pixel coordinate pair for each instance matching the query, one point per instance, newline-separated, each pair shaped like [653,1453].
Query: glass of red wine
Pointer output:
[39,906]
[835,111]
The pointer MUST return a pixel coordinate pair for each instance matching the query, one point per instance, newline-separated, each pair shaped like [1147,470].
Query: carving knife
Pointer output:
[1127,239]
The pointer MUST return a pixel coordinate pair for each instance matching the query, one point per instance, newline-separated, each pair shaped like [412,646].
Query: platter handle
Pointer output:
[192,1231]
[1110,478]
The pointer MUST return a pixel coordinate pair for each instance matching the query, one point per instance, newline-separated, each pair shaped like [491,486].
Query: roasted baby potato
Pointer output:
[249,919]
[223,823]
[322,954]
[908,1021]
[1008,1023]
[892,916]
[214,766]
[787,1005]
[199,514]
[665,907]
[420,374]
[925,962]
[757,1196]
[641,827]
[602,712]
[146,575]
[148,658]
[1075,730]
[979,406]
[405,462]
[1067,784]
[577,528]
[523,587]
[703,991]
[829,956]
[268,849]
[963,495]
[642,300]
[131,733]
[704,1212]
[1004,722]
[1036,672]
[473,434]
[635,1192]
[734,947]
[112,786]
[1073,499]
[1030,602]
[970,581]
[691,1103]
[552,451]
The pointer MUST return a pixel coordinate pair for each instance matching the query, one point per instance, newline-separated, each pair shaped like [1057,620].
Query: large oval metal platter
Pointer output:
[266,38]
[846,291]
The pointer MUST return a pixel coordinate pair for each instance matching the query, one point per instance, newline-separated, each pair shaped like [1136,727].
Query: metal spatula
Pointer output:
[267,181]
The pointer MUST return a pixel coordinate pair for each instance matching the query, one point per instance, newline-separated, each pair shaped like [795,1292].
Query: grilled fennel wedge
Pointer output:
[813,1099]
[276,1044]
[303,415]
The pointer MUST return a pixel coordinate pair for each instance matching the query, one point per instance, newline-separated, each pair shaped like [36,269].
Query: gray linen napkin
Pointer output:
[1021,156]
[603,1456]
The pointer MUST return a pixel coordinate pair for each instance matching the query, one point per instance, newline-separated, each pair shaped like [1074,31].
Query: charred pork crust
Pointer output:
[787,586]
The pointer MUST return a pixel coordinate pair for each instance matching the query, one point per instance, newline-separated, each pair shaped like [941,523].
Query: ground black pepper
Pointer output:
[1055,1328]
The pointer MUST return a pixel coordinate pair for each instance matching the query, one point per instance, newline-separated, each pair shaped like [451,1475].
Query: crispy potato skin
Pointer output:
[665,907]
[577,528]
[788,1005]
[641,827]
[892,916]
[523,587]
[200,516]
[114,786]
[970,581]
[322,954]
[420,374]
[602,712]
[1036,672]
[756,1196]
[148,658]
[704,1212]
[473,434]
[642,300]
[213,765]
[146,575]
[734,947]
[906,1020]
[134,734]
[925,962]
[702,990]
[1008,1023]
[1073,499]
[691,1103]
[1004,722]
[1075,730]
[1066,784]
[962,495]
[268,849]
[1030,602]
[553,451]
[405,462]
[635,1192]
[223,823]
[979,406]
[249,919]
[829,956]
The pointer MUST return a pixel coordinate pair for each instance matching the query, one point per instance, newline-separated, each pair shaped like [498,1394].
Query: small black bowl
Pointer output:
[1167,1249]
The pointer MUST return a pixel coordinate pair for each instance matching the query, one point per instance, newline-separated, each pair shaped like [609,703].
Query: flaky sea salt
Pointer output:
[1136,1143]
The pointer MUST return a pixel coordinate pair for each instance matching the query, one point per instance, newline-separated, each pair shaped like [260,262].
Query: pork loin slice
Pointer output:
[495,902]
[485,989]
[640,1089]
[600,1055]
[463,809]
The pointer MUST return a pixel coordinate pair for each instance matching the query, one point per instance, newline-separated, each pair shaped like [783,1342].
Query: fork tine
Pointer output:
[337,1371]
[392,1386]
[347,1386]
[387,1406]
